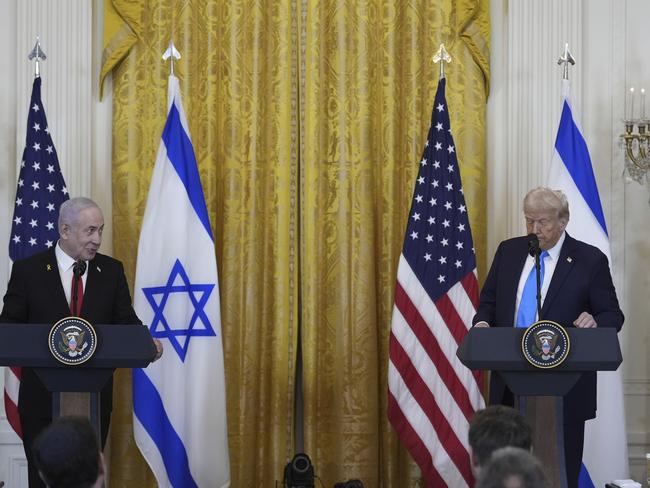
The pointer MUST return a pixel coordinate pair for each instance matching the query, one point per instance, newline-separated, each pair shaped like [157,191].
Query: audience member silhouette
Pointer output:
[495,427]
[512,467]
[67,454]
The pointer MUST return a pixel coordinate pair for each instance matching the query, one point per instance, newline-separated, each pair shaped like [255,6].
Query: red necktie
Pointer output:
[78,283]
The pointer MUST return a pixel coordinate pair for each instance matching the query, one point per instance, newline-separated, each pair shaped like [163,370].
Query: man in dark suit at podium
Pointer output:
[40,292]
[576,289]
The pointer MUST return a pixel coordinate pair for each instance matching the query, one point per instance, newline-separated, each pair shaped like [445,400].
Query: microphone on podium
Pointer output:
[533,244]
[535,251]
[79,268]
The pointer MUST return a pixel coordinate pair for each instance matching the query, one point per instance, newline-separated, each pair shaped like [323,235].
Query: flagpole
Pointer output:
[38,54]
[185,450]
[435,419]
[605,448]
[441,55]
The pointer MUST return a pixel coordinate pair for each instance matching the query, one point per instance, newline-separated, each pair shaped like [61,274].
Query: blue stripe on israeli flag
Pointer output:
[157,424]
[573,151]
[181,154]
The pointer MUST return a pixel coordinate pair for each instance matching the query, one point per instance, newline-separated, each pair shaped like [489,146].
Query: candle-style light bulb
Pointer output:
[630,113]
[642,103]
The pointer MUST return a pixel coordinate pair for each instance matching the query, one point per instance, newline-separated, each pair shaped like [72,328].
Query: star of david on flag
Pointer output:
[197,294]
[179,402]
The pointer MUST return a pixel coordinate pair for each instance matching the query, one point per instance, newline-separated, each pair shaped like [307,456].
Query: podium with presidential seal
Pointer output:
[75,359]
[540,364]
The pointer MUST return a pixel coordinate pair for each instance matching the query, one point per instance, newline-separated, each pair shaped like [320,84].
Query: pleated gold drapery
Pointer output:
[236,77]
[368,92]
[308,119]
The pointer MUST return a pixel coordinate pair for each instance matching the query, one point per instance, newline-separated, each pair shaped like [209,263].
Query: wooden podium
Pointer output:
[499,350]
[76,388]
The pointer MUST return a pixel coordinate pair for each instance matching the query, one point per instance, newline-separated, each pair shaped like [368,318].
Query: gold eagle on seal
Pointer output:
[72,343]
[546,344]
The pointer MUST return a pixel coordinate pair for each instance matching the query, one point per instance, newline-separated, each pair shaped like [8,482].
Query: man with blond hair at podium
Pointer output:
[576,291]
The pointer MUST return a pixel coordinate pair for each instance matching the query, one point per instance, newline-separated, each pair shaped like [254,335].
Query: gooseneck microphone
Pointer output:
[535,251]
[78,270]
[533,245]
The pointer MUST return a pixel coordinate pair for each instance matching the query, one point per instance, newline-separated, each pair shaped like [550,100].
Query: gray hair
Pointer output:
[70,209]
[511,467]
[544,198]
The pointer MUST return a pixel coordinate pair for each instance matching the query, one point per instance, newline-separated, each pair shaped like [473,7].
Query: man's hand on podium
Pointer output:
[159,349]
[482,324]
[585,320]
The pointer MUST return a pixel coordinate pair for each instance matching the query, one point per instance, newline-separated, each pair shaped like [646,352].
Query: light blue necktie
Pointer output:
[528,304]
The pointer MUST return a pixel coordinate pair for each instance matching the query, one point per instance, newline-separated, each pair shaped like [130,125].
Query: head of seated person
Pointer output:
[512,467]
[495,427]
[67,454]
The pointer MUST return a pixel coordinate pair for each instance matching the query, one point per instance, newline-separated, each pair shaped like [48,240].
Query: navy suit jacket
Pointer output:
[35,295]
[581,282]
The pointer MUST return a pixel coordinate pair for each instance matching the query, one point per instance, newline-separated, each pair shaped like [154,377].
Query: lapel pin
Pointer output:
[99,269]
[49,267]
[569,259]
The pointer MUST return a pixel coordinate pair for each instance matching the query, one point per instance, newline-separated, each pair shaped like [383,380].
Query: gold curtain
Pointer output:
[368,92]
[308,118]
[236,76]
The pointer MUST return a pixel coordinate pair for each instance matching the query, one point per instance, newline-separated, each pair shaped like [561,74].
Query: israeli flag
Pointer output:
[605,450]
[179,402]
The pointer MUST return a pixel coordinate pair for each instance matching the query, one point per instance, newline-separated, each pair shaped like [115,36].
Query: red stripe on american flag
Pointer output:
[431,345]
[453,321]
[413,443]
[11,409]
[421,393]
[470,283]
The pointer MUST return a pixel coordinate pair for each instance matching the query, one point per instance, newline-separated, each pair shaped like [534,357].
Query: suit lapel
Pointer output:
[92,287]
[562,270]
[513,276]
[52,279]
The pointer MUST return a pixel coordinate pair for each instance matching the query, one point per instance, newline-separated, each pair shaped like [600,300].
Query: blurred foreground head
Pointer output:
[67,454]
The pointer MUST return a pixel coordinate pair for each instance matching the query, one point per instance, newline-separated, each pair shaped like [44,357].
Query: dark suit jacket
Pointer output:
[35,295]
[581,282]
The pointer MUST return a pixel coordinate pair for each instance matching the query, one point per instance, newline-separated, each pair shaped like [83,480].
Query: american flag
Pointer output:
[432,396]
[39,193]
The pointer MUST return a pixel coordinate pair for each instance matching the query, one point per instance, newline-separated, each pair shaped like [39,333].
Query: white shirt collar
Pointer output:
[62,258]
[554,252]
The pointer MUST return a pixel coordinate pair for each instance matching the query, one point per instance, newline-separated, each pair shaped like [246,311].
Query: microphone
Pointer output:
[535,251]
[533,245]
[79,268]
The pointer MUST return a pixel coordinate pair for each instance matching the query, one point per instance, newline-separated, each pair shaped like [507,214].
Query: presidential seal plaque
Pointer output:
[72,340]
[545,344]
